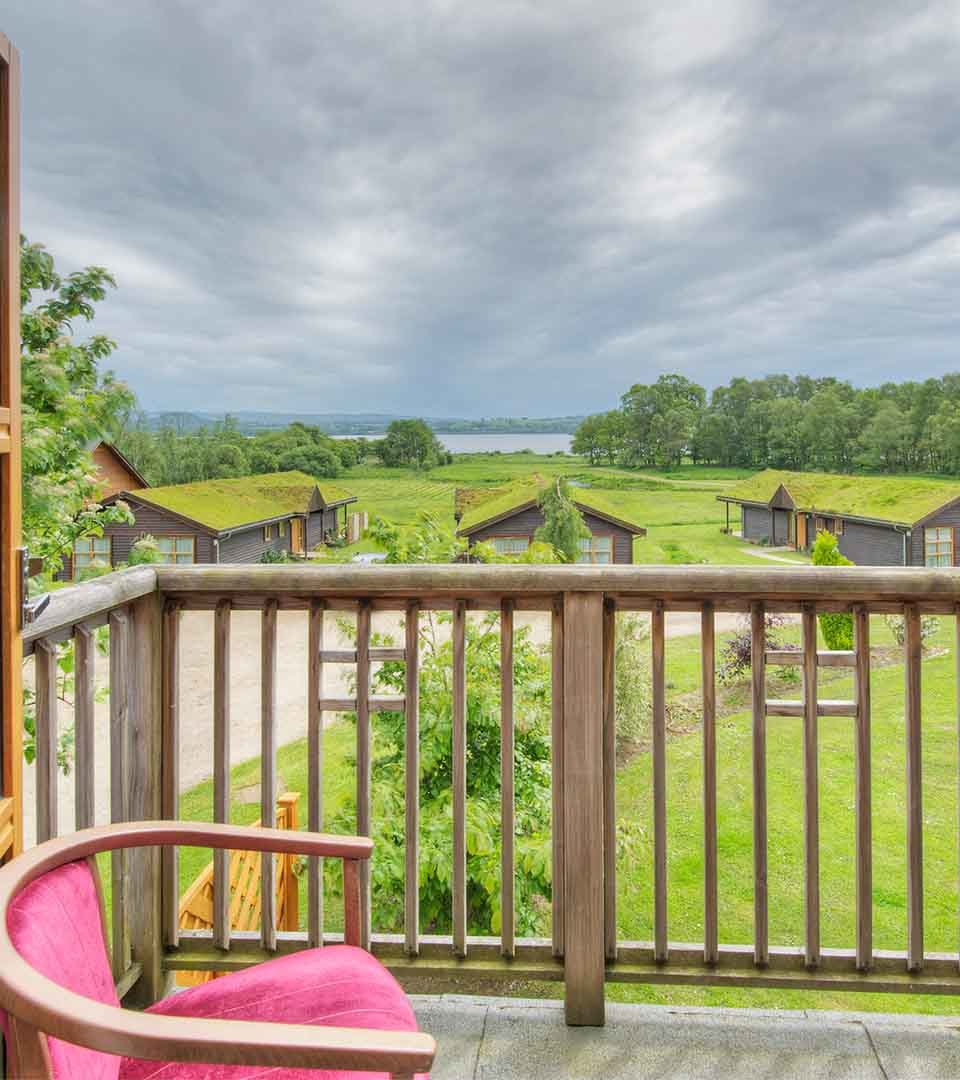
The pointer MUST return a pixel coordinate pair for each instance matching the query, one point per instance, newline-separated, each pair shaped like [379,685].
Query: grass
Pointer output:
[223,504]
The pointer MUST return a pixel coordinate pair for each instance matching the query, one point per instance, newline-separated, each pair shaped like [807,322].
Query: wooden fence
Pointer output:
[143,608]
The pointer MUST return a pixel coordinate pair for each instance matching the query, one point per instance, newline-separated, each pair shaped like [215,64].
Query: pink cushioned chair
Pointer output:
[334,1012]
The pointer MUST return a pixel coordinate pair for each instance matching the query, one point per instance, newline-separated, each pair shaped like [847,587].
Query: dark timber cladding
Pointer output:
[510,516]
[877,521]
[226,521]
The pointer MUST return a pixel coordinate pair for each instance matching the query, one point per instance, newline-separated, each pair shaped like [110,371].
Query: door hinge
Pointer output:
[30,609]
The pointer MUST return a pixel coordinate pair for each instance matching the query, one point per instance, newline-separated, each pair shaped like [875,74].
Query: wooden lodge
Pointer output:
[233,520]
[508,518]
[878,521]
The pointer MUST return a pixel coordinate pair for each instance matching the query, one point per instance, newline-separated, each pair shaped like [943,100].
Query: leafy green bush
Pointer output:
[563,525]
[145,552]
[837,628]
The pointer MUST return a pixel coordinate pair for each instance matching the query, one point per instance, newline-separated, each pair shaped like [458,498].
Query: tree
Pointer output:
[68,404]
[563,526]
[410,442]
[532,772]
[837,628]
[314,460]
[885,442]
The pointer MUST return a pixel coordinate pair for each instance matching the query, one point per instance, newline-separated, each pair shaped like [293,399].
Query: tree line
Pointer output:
[783,422]
[169,456]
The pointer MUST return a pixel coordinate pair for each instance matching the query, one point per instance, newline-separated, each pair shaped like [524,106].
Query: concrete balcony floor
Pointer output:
[513,1039]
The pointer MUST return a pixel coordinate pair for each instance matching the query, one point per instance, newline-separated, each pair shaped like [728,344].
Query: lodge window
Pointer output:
[596,549]
[511,545]
[938,545]
[281,528]
[91,551]
[267,533]
[177,549]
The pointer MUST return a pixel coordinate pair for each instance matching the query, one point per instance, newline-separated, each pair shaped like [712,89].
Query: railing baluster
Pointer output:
[45,736]
[364,761]
[582,690]
[120,651]
[171,768]
[507,943]
[84,652]
[460,778]
[811,791]
[268,768]
[659,783]
[708,663]
[758,680]
[411,895]
[913,657]
[221,769]
[864,852]
[610,778]
[556,773]
[315,769]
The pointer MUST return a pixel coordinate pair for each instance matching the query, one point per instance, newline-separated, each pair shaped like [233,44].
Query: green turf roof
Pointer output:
[227,504]
[480,506]
[898,499]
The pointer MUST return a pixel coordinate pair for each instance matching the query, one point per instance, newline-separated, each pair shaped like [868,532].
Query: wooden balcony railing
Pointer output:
[144,608]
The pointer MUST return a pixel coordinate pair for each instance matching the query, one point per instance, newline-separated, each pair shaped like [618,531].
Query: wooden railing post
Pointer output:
[144,733]
[582,801]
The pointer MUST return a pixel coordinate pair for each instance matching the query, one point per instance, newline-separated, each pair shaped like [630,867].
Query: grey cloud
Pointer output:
[445,207]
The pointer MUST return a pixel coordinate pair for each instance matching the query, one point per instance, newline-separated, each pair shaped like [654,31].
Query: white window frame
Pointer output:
[100,553]
[173,557]
[590,550]
[521,544]
[938,546]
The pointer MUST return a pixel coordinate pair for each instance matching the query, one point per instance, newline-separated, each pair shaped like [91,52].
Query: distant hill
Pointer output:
[360,423]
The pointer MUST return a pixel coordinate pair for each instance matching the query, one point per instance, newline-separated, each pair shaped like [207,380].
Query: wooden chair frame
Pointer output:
[36,1006]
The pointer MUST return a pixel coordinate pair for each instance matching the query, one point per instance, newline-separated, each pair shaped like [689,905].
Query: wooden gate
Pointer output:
[11,646]
[196,907]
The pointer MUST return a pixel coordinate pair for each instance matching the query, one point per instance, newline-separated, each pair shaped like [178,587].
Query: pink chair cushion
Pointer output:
[55,926]
[338,985]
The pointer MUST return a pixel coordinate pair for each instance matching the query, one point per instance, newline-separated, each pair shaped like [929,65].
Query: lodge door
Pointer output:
[298,543]
[11,648]
[801,532]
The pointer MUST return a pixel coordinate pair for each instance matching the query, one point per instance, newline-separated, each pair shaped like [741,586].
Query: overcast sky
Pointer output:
[492,207]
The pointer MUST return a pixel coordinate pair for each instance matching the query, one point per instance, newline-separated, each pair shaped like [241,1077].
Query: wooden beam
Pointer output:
[411,736]
[864,825]
[708,661]
[460,779]
[913,656]
[759,743]
[584,936]
[507,825]
[221,770]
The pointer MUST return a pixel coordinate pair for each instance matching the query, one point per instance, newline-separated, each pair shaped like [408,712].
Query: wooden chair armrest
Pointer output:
[44,1006]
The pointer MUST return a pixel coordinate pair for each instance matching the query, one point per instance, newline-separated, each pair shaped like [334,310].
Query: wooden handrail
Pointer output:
[691,583]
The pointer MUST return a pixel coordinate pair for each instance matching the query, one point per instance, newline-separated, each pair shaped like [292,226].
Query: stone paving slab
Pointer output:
[512,1039]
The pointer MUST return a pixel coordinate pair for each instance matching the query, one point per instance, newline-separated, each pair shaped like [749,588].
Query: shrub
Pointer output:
[145,552]
[736,653]
[837,629]
[270,556]
[632,694]
[929,627]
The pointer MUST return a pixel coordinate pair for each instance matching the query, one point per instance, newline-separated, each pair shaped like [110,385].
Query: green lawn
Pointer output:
[785,787]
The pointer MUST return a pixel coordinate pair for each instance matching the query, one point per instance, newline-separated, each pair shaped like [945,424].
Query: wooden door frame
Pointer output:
[11,644]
